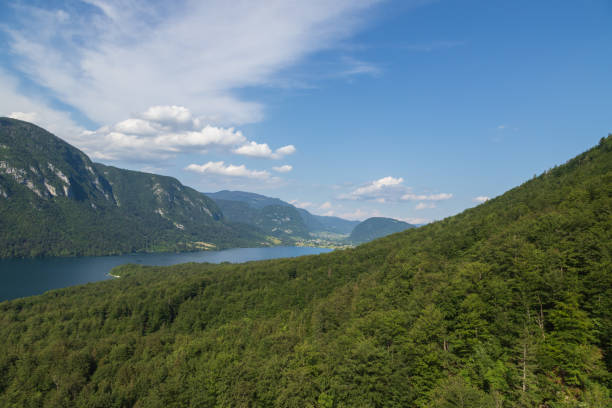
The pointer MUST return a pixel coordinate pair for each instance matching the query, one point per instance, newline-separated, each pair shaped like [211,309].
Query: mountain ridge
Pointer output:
[303,226]
[55,201]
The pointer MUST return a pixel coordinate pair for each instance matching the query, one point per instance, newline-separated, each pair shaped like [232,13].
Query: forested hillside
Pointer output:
[55,201]
[281,221]
[279,218]
[377,227]
[504,305]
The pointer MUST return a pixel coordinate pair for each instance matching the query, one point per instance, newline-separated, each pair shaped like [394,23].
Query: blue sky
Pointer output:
[409,109]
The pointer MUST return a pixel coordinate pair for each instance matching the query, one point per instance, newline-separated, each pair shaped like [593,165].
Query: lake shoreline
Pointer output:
[23,277]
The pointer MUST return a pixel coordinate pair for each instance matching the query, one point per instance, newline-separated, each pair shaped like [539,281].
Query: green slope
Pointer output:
[377,227]
[254,200]
[55,201]
[250,208]
[504,305]
[281,221]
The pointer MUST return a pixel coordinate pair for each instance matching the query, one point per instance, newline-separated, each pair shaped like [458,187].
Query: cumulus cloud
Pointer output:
[377,189]
[165,131]
[424,206]
[360,214]
[170,114]
[113,56]
[390,189]
[262,150]
[283,169]
[301,204]
[325,206]
[428,197]
[221,169]
[416,221]
[285,150]
[480,199]
[157,133]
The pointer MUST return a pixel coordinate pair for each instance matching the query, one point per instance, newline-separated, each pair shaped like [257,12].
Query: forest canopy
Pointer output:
[507,304]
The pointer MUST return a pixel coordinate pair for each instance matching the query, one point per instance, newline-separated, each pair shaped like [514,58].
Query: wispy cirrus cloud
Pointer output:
[113,56]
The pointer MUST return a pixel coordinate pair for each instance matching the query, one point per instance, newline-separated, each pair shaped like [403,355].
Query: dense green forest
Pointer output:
[376,227]
[55,201]
[507,304]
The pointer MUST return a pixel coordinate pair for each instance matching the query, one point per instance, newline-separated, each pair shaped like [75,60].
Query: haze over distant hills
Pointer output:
[278,217]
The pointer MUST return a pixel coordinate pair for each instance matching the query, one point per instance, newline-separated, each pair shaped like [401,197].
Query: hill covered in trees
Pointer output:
[55,201]
[507,304]
[279,218]
[377,227]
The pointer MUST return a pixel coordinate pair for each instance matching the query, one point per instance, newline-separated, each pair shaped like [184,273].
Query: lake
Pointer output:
[27,277]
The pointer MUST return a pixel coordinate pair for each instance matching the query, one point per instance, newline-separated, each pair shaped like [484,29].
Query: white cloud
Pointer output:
[416,221]
[25,116]
[301,204]
[283,169]
[262,150]
[120,56]
[358,67]
[360,214]
[17,105]
[424,206]
[390,189]
[325,206]
[221,169]
[377,189]
[137,127]
[170,114]
[174,131]
[480,199]
[285,150]
[427,197]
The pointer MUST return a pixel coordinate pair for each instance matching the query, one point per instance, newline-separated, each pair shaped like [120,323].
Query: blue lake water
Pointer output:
[26,277]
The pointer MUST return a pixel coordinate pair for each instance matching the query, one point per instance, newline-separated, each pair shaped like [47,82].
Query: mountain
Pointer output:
[282,219]
[253,200]
[324,223]
[507,304]
[377,227]
[55,201]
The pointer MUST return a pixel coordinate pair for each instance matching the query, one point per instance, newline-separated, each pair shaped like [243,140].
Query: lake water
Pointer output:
[26,277]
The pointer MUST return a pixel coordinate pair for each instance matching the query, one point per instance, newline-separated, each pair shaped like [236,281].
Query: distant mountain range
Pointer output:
[54,201]
[277,217]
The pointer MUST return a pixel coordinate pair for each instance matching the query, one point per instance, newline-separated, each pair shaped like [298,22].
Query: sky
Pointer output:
[410,109]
